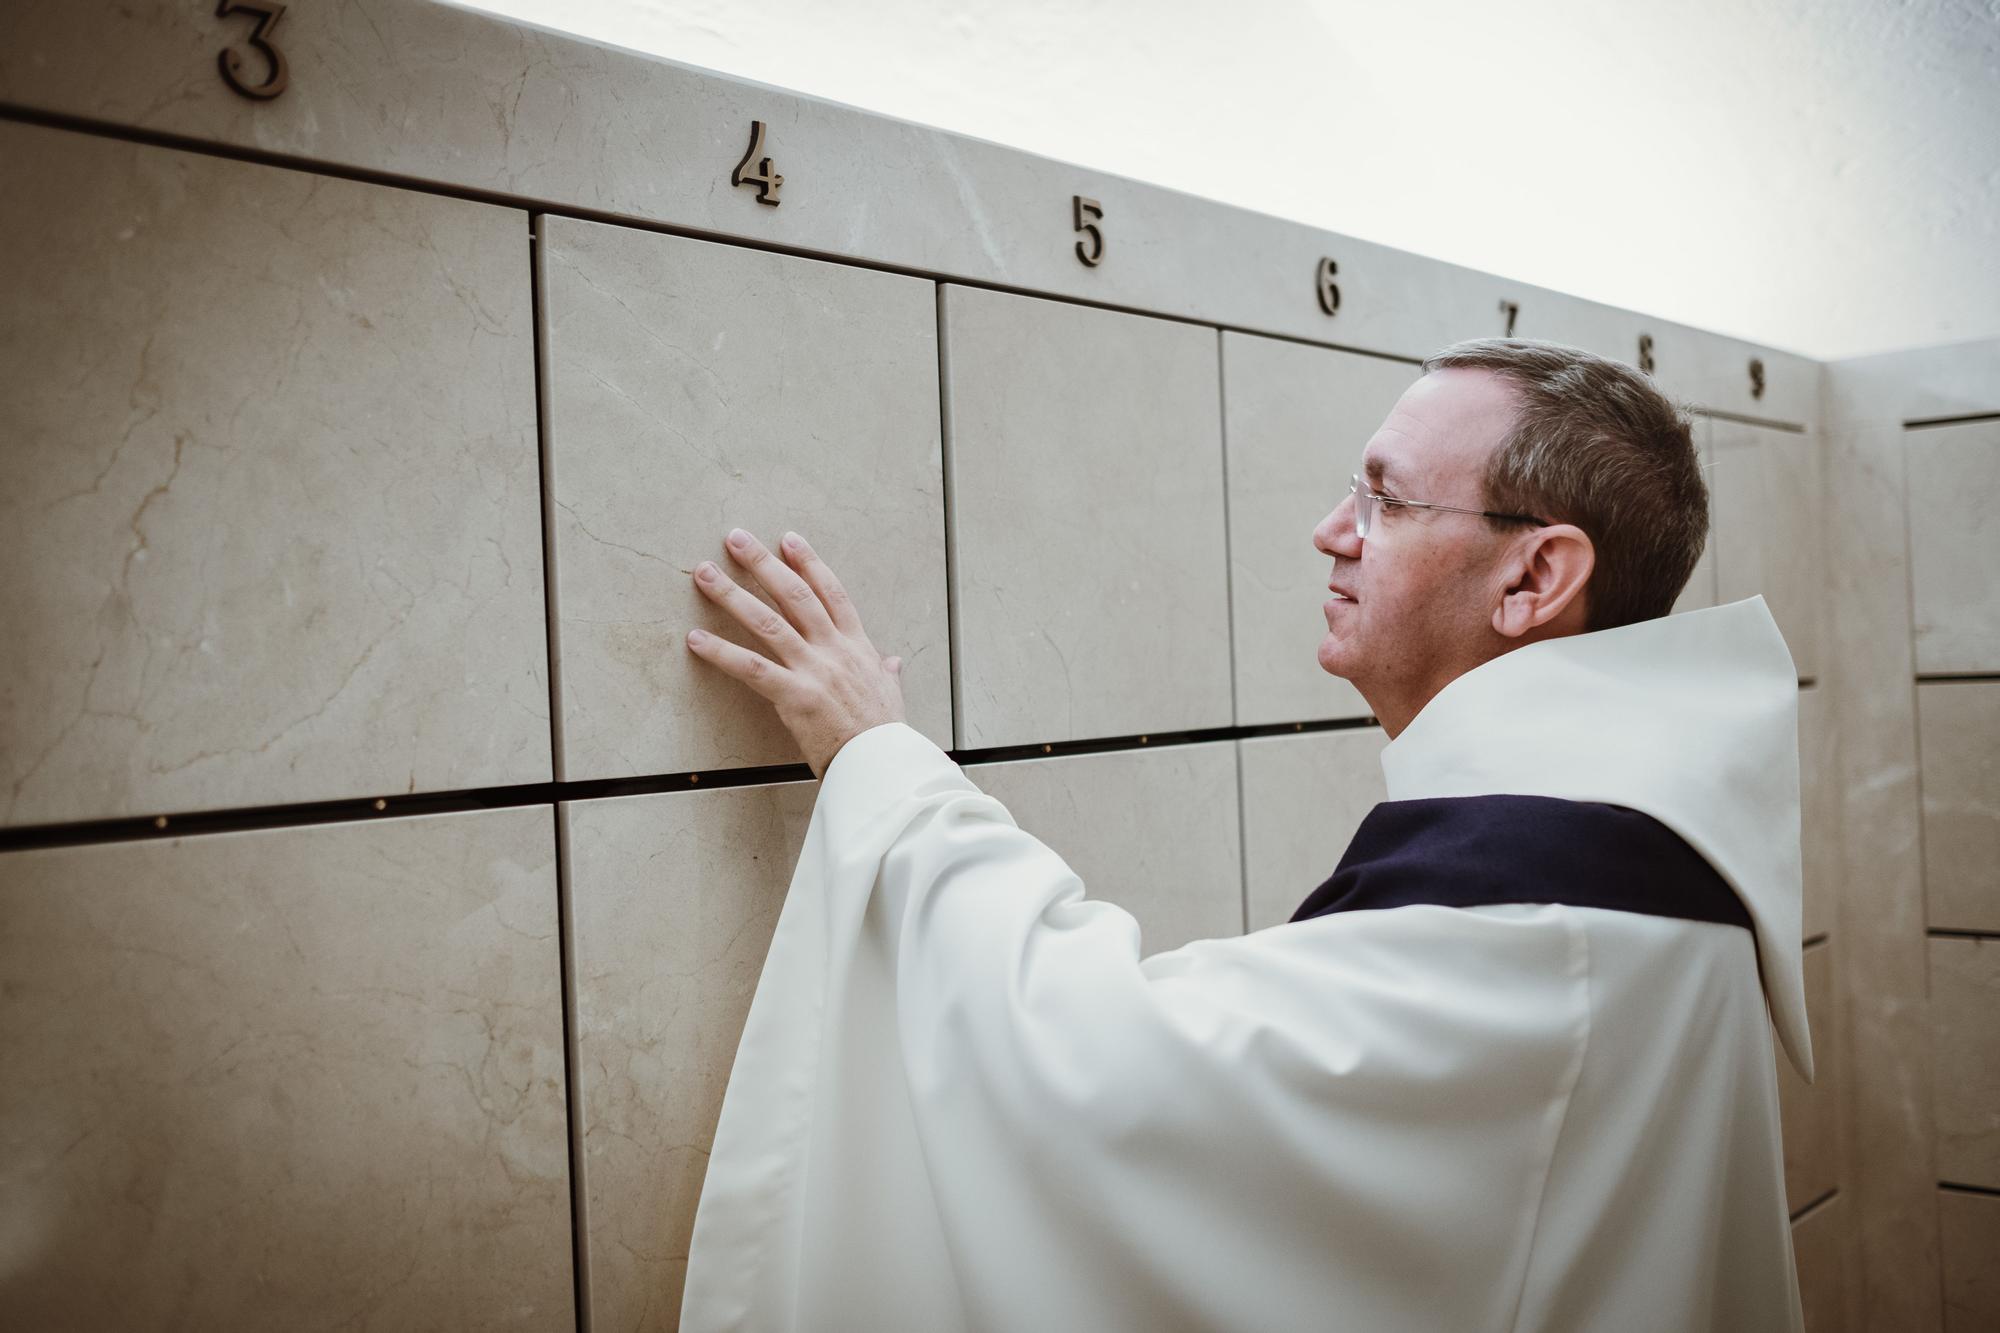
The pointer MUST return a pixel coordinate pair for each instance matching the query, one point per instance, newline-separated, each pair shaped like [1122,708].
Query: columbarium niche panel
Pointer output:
[1954,499]
[1817,1242]
[1965,1052]
[1152,830]
[1958,747]
[696,387]
[269,498]
[1764,498]
[673,900]
[1969,1229]
[1296,419]
[287,1078]
[1089,571]
[1303,798]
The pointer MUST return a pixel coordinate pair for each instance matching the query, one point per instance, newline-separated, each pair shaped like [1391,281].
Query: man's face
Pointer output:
[1423,582]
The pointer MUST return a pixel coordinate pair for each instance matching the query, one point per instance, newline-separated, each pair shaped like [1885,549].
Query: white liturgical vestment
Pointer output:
[964,1100]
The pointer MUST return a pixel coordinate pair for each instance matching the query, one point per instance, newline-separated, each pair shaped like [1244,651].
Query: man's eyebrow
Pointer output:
[1377,473]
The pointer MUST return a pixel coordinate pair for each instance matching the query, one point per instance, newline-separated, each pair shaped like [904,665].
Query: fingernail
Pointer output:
[695,636]
[705,570]
[793,542]
[738,537]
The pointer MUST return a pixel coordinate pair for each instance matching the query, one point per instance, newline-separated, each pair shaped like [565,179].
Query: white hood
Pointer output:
[1691,718]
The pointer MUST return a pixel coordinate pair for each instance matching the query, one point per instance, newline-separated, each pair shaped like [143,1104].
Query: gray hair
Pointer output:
[1596,444]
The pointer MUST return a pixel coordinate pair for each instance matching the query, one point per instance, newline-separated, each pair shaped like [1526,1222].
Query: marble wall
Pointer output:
[1912,462]
[386,885]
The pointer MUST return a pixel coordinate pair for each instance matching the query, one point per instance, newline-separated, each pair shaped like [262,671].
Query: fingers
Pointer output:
[758,618]
[753,669]
[824,583]
[793,595]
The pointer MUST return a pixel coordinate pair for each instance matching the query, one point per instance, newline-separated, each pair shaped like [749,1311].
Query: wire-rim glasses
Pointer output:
[1367,501]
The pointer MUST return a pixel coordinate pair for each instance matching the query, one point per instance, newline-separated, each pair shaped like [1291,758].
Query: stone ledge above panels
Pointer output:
[544,119]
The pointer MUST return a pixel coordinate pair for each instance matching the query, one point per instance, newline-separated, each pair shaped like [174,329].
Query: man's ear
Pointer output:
[1545,577]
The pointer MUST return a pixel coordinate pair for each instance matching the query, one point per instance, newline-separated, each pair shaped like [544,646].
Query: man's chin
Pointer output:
[1333,657]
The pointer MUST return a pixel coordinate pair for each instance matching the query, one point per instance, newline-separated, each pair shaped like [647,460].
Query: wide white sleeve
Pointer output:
[962,1099]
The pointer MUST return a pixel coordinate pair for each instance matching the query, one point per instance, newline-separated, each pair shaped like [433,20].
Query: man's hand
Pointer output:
[829,684]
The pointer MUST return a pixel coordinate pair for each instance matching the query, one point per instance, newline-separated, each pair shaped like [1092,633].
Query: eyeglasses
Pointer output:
[1366,501]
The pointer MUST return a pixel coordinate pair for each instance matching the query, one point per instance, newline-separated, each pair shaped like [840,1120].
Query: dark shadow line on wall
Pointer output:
[1948,933]
[1746,420]
[579,1218]
[951,639]
[1928,677]
[1229,606]
[1957,1187]
[539,303]
[579,1196]
[1813,1207]
[1970,418]
[410,805]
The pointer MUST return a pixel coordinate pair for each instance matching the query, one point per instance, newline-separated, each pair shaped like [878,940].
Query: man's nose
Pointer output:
[1335,533]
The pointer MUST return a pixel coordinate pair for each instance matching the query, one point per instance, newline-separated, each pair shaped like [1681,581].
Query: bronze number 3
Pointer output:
[268,15]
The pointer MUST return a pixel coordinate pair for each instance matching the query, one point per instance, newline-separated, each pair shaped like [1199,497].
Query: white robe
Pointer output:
[963,1100]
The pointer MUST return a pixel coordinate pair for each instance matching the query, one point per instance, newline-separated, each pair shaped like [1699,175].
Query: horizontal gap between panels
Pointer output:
[1927,677]
[1744,418]
[1940,933]
[557,208]
[1970,418]
[357,809]
[1814,941]
[1813,1207]
[1955,1187]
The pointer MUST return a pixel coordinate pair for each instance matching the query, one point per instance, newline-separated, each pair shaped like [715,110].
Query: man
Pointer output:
[1508,1068]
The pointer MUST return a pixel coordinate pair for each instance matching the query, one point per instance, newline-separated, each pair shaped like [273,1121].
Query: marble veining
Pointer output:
[694,388]
[1152,830]
[269,501]
[674,899]
[1303,798]
[1088,560]
[307,1078]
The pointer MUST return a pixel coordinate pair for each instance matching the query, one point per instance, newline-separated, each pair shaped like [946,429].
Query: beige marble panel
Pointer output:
[673,902]
[436,92]
[269,500]
[1817,1253]
[1958,740]
[1296,419]
[1699,591]
[1088,564]
[1766,489]
[1811,1111]
[1970,1227]
[696,387]
[1303,798]
[1954,499]
[1891,1187]
[1965,1024]
[301,1078]
[1153,830]
[1819,810]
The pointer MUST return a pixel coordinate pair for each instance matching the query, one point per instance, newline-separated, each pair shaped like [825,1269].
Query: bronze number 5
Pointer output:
[268,15]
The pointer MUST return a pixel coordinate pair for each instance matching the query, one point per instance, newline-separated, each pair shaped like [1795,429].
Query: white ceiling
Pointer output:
[1821,176]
